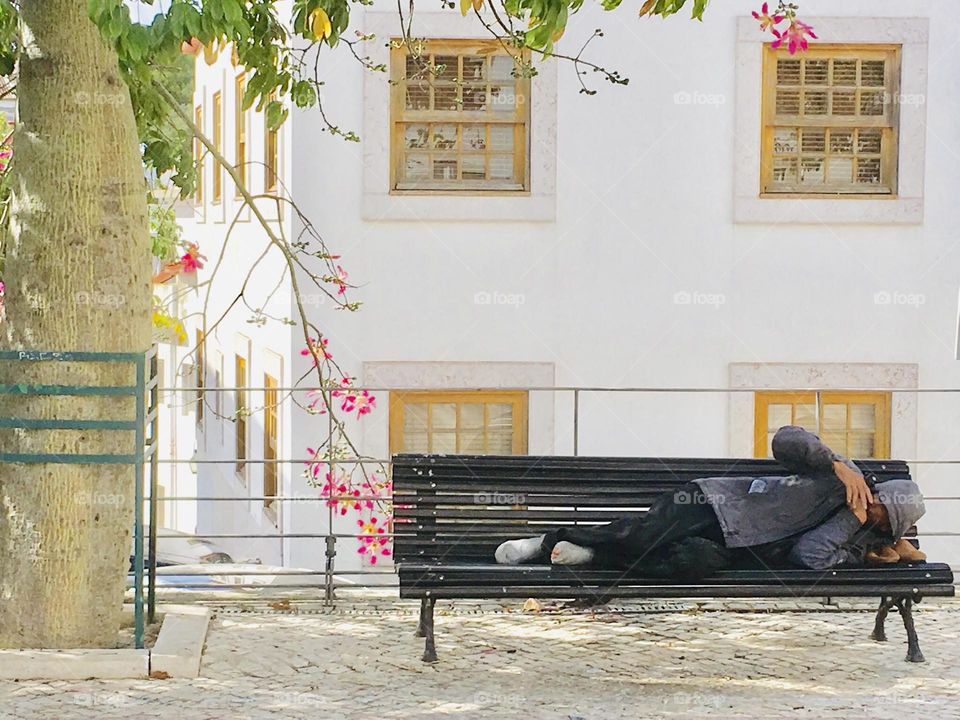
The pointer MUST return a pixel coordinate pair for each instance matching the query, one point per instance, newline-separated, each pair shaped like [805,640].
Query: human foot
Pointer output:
[514,552]
[566,553]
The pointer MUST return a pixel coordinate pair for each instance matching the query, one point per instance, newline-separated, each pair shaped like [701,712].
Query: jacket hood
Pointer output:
[904,503]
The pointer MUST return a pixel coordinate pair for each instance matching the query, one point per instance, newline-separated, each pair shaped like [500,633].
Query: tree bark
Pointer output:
[77,275]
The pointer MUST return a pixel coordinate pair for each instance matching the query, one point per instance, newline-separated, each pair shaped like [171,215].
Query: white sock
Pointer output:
[566,553]
[514,552]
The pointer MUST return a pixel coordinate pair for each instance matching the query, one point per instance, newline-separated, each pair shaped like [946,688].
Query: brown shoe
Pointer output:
[908,553]
[885,555]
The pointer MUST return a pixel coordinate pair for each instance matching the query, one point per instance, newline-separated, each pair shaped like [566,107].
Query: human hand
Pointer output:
[858,493]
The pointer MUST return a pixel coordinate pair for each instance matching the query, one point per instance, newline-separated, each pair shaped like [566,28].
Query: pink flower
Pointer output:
[192,260]
[767,21]
[341,280]
[363,402]
[319,348]
[795,36]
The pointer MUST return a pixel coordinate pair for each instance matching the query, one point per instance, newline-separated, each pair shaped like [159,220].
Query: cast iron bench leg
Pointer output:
[905,606]
[879,633]
[421,631]
[426,618]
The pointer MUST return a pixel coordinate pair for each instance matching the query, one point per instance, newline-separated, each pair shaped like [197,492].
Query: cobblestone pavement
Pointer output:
[361,661]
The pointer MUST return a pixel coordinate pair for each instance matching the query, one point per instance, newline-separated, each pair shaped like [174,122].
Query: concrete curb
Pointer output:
[177,653]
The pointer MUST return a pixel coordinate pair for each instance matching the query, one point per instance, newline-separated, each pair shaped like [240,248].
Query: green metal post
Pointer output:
[138,509]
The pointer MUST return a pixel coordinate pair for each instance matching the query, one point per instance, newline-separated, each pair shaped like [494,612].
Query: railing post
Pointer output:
[154,488]
[138,475]
[576,421]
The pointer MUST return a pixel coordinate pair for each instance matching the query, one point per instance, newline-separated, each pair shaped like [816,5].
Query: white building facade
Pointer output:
[734,219]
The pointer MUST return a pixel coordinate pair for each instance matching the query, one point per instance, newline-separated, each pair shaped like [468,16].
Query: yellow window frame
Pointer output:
[517,399]
[888,122]
[880,400]
[400,116]
[218,144]
[240,122]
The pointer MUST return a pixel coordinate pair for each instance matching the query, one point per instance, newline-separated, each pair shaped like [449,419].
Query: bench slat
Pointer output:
[563,592]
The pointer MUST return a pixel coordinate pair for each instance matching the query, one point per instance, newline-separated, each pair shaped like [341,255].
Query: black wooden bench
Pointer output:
[452,511]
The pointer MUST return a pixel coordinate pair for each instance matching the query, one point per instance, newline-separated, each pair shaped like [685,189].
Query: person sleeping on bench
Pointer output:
[825,514]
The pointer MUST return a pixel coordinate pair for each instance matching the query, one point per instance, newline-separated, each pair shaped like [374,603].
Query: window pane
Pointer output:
[474,68]
[471,442]
[471,415]
[836,442]
[501,167]
[501,137]
[445,68]
[499,443]
[785,141]
[416,167]
[844,102]
[500,416]
[834,418]
[788,72]
[778,416]
[415,417]
[415,136]
[503,98]
[871,103]
[444,137]
[444,442]
[788,102]
[840,170]
[863,417]
[861,445]
[813,141]
[474,137]
[868,141]
[871,73]
[845,72]
[841,142]
[816,72]
[811,170]
[473,167]
[418,96]
[445,97]
[475,98]
[805,416]
[444,168]
[868,170]
[444,416]
[815,102]
[415,442]
[785,170]
[501,67]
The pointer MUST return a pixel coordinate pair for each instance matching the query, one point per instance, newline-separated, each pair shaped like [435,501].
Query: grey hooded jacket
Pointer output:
[842,540]
[760,510]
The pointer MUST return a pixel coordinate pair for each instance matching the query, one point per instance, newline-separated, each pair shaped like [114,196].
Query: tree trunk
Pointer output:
[77,275]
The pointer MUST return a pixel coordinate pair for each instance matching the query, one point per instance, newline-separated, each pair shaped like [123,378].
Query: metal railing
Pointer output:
[144,443]
[330,540]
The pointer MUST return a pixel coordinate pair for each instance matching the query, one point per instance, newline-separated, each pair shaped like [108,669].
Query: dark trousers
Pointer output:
[679,536]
